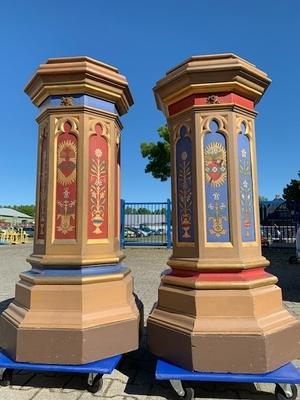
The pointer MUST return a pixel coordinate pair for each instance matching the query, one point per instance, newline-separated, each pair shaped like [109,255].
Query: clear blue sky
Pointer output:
[144,39]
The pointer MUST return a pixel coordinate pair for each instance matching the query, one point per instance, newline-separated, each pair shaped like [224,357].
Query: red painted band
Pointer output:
[204,99]
[218,276]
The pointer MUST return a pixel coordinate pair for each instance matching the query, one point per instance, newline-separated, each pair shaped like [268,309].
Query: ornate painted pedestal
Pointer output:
[76,303]
[218,309]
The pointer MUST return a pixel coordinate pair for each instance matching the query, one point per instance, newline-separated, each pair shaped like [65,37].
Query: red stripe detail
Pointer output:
[201,99]
[240,276]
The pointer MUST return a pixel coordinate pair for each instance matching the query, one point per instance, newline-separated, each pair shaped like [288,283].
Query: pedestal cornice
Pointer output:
[62,76]
[213,74]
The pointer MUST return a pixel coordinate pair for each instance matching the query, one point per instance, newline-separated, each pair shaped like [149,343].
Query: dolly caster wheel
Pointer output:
[293,260]
[94,382]
[286,392]
[183,394]
[6,377]
[188,394]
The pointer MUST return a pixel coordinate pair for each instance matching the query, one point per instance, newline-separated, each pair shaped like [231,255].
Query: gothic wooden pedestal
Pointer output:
[76,304]
[218,309]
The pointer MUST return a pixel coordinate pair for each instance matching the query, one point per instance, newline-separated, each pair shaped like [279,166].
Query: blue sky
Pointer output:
[144,39]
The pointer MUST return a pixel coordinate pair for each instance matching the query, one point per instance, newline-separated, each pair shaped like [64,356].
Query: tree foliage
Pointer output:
[158,155]
[292,190]
[262,198]
[28,209]
[145,211]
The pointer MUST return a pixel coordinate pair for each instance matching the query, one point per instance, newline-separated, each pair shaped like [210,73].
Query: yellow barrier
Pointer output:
[12,237]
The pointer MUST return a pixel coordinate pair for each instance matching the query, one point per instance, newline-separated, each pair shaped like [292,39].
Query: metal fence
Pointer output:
[274,234]
[149,224]
[146,224]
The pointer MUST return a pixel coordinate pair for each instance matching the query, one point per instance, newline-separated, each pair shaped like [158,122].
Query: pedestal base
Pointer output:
[243,331]
[89,315]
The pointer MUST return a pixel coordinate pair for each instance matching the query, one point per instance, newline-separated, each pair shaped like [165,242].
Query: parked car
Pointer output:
[160,231]
[136,231]
[29,231]
[264,241]
[146,231]
[128,233]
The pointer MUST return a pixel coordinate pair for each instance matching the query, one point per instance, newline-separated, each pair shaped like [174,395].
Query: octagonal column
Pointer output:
[76,303]
[218,309]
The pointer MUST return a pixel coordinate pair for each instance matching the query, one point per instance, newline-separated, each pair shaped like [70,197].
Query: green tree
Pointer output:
[262,198]
[292,190]
[143,210]
[158,155]
[163,211]
[28,209]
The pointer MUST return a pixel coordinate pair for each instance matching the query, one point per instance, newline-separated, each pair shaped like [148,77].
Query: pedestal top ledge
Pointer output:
[211,74]
[80,75]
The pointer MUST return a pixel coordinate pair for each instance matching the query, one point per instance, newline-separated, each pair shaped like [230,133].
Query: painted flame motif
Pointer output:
[66,162]
[215,164]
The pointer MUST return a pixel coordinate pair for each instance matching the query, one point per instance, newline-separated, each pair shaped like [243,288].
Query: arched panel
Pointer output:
[216,185]
[185,213]
[117,189]
[42,187]
[66,184]
[98,185]
[246,186]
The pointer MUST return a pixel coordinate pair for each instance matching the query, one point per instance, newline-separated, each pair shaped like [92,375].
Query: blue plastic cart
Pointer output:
[94,370]
[285,378]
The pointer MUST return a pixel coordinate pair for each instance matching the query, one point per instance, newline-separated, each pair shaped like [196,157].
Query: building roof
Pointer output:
[10,212]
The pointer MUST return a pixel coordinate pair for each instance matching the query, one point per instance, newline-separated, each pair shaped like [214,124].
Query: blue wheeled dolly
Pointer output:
[285,378]
[95,370]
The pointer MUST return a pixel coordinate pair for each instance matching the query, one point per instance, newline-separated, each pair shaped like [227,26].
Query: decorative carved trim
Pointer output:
[73,121]
[117,135]
[220,119]
[177,127]
[104,125]
[248,125]
[213,99]
[67,101]
[44,131]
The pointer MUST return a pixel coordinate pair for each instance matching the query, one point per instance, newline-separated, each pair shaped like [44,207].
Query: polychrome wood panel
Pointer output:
[246,187]
[216,186]
[185,212]
[98,185]
[66,184]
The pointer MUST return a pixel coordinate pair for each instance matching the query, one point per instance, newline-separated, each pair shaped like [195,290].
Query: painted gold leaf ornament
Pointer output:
[215,164]
[217,211]
[66,162]
[245,191]
[66,212]
[185,194]
[98,190]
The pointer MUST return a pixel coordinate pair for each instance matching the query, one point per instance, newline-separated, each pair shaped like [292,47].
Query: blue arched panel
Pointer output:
[246,187]
[185,209]
[216,186]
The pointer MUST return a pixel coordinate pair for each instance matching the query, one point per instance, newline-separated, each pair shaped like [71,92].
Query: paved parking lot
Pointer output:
[134,377]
